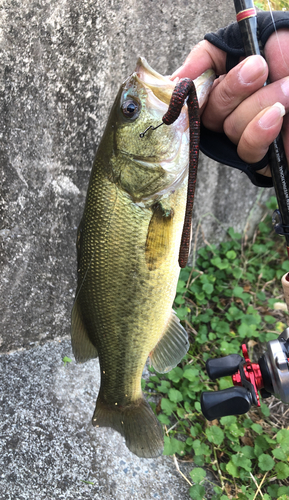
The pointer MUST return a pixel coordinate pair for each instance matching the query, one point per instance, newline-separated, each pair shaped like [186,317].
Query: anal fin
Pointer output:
[82,347]
[171,348]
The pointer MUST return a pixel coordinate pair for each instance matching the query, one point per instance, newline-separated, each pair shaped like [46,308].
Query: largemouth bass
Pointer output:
[128,245]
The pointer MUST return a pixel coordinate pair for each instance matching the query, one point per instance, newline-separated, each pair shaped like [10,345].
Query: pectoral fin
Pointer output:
[159,236]
[171,348]
[82,347]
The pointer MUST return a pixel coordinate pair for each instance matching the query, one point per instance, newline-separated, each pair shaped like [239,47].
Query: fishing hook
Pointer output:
[151,127]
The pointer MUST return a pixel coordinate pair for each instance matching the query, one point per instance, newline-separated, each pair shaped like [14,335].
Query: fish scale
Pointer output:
[112,312]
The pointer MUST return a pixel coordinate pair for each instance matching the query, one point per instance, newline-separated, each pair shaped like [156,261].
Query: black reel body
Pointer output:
[270,376]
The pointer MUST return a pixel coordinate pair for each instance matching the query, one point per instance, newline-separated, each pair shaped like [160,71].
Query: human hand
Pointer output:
[238,104]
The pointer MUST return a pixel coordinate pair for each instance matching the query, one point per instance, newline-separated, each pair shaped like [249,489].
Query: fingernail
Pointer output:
[285,87]
[252,69]
[271,116]
[176,72]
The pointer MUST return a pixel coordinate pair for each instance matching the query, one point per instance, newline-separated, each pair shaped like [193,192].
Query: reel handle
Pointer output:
[232,401]
[223,367]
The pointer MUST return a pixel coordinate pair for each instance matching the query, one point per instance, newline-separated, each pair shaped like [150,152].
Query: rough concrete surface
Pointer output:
[48,446]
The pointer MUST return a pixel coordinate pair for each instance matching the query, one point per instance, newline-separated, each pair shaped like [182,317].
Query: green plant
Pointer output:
[273,4]
[66,360]
[228,299]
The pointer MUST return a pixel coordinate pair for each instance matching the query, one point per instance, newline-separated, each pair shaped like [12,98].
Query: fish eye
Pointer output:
[130,108]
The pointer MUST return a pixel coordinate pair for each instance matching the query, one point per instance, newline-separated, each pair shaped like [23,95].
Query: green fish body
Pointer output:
[128,245]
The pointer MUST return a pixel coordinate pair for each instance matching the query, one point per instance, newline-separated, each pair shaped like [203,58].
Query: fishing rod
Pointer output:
[246,16]
[270,376]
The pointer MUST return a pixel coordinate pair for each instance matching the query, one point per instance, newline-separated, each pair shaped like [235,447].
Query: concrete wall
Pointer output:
[61,63]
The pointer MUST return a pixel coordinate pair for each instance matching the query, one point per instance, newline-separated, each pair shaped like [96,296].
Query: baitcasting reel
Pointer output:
[270,376]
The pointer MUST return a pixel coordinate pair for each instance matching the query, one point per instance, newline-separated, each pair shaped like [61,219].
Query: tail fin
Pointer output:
[136,422]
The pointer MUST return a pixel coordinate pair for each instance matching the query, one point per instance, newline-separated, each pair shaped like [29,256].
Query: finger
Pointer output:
[260,133]
[242,81]
[202,57]
[285,135]
[237,121]
[277,55]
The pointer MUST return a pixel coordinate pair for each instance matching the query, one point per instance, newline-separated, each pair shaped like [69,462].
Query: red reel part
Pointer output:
[252,373]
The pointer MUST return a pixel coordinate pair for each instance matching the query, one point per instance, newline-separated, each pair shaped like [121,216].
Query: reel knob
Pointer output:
[223,367]
[233,401]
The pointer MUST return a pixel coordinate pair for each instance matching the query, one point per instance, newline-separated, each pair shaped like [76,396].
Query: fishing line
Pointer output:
[276,31]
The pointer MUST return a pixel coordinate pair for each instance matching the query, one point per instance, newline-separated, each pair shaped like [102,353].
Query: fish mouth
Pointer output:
[158,90]
[162,87]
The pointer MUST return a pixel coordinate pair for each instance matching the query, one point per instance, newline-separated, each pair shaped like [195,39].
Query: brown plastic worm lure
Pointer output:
[186,89]
[183,90]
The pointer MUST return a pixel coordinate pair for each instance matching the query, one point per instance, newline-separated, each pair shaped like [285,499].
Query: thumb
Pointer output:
[202,57]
